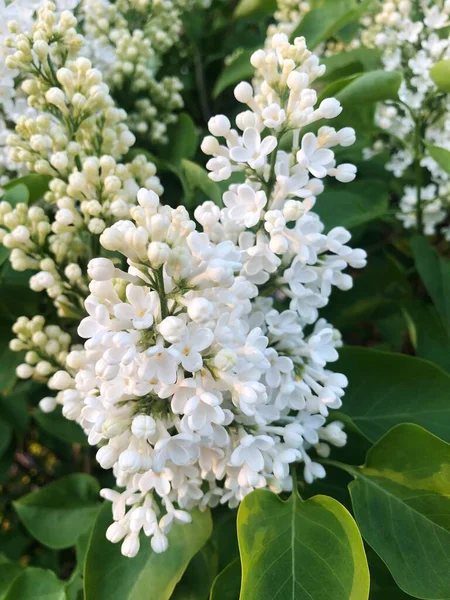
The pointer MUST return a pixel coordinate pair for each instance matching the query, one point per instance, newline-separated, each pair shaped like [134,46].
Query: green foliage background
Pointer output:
[379,525]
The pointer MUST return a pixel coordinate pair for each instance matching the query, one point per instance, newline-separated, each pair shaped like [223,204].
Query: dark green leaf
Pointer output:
[386,389]
[298,550]
[199,575]
[17,193]
[111,576]
[349,63]
[440,74]
[60,512]
[227,584]
[434,270]
[14,407]
[60,427]
[371,87]
[364,201]
[382,584]
[325,19]
[238,70]
[9,572]
[432,338]
[36,584]
[183,140]
[197,179]
[5,436]
[246,8]
[37,186]
[402,505]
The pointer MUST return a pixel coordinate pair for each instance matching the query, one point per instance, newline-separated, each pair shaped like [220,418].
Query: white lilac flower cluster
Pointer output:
[128,39]
[412,37]
[204,372]
[77,136]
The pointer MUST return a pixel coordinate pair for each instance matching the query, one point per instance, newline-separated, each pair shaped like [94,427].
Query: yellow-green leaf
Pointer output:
[401,501]
[300,550]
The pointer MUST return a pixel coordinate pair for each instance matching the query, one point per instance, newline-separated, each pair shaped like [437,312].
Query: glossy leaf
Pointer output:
[111,576]
[325,19]
[402,505]
[16,193]
[238,70]
[386,389]
[36,584]
[365,201]
[36,184]
[374,86]
[299,550]
[440,74]
[197,178]
[58,513]
[227,584]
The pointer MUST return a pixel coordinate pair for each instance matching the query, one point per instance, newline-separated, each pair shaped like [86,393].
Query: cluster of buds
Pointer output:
[129,39]
[46,346]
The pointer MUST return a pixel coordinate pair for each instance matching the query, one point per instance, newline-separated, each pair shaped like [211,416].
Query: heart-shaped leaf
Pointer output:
[300,550]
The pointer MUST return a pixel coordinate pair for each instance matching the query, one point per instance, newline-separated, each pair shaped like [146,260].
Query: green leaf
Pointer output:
[246,8]
[37,186]
[199,575]
[5,436]
[16,194]
[300,550]
[238,70]
[386,389]
[374,86]
[326,18]
[440,74]
[197,178]
[58,513]
[349,63]
[382,584]
[402,505]
[364,201]
[227,584]
[433,340]
[9,572]
[60,427]
[14,408]
[440,155]
[183,140]
[8,363]
[36,584]
[111,576]
[434,270]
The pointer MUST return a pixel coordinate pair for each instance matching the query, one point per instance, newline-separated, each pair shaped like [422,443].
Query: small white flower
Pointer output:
[253,151]
[316,160]
[245,205]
